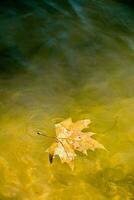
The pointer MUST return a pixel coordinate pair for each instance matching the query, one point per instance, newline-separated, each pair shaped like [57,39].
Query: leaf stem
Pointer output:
[45,135]
[52,137]
[57,139]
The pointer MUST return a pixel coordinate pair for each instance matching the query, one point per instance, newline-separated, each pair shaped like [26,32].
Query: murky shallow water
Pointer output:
[58,61]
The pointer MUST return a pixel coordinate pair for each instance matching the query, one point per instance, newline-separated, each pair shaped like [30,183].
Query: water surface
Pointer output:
[59,60]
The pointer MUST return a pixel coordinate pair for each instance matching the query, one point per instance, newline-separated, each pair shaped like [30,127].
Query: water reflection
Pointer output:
[60,60]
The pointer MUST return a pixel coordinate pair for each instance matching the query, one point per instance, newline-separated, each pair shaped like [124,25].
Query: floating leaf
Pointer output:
[70,138]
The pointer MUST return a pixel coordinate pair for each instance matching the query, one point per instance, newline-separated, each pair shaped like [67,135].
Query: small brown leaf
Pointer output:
[70,138]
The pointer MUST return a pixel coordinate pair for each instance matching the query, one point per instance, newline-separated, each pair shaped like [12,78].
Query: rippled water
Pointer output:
[59,60]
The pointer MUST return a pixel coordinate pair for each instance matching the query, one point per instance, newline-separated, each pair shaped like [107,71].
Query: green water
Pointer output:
[58,61]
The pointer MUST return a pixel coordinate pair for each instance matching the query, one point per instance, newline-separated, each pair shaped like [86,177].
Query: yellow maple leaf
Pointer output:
[70,138]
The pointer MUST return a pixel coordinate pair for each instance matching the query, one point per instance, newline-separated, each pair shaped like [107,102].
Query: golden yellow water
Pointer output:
[86,73]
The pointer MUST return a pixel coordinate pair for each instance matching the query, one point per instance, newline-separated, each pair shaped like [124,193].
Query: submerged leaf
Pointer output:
[70,138]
